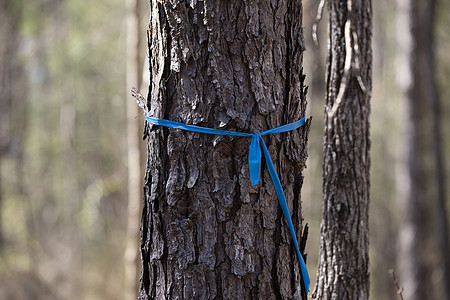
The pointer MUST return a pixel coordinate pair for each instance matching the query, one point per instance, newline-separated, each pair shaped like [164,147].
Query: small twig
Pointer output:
[399,288]
[317,21]
[140,100]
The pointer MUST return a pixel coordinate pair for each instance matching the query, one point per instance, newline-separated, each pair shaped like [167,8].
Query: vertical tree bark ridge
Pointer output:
[344,247]
[206,233]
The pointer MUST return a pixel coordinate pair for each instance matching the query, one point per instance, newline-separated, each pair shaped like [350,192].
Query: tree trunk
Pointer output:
[133,78]
[10,18]
[421,149]
[344,247]
[206,233]
[428,20]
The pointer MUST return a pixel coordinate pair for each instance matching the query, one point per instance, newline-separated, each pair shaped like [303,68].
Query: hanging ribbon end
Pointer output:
[254,173]
[254,159]
[307,284]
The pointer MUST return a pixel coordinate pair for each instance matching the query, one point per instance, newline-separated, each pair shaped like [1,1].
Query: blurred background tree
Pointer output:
[63,147]
[422,172]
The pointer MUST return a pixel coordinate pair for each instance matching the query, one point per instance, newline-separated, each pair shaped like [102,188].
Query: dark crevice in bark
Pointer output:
[237,200]
[256,290]
[238,14]
[145,254]
[160,204]
[152,292]
[303,239]
[296,204]
[295,207]
[287,66]
[161,188]
[277,240]
[166,76]
[220,246]
[196,250]
[302,247]
[165,254]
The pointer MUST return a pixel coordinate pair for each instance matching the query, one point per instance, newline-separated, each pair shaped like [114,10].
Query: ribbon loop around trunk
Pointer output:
[254,162]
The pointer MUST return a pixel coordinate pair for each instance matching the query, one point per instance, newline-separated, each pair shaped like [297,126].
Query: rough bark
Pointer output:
[344,247]
[206,233]
[422,167]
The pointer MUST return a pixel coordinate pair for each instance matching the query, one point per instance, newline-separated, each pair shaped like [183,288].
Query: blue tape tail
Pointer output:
[254,162]
[287,215]
[285,128]
[254,159]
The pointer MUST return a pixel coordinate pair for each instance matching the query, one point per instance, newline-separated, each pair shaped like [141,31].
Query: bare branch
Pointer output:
[140,100]
[317,21]
[399,288]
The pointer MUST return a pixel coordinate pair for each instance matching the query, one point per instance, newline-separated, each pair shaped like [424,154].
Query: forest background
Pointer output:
[63,146]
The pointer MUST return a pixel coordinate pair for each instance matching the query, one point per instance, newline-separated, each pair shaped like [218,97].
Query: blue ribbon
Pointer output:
[254,162]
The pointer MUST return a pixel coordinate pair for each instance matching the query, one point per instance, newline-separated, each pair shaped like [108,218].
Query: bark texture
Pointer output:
[206,233]
[344,247]
[422,168]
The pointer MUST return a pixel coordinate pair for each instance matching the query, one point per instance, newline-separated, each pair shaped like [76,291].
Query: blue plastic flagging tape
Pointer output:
[254,162]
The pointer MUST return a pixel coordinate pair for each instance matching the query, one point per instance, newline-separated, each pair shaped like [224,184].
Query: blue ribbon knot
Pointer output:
[254,162]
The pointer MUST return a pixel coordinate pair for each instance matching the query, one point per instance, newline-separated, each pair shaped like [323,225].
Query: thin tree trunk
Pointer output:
[206,233]
[441,209]
[9,43]
[133,78]
[421,146]
[12,92]
[439,161]
[344,247]
[7,50]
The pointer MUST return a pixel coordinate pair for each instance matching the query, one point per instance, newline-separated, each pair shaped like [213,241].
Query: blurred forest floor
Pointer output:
[63,146]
